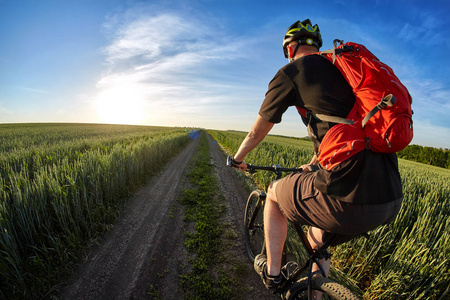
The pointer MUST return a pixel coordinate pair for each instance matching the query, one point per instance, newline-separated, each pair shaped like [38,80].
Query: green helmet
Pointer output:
[303,32]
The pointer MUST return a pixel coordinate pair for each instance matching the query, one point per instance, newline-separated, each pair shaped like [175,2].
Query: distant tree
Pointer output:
[448,160]
[440,157]
[427,155]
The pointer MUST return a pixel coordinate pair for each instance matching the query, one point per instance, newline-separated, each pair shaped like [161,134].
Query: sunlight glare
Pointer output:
[120,105]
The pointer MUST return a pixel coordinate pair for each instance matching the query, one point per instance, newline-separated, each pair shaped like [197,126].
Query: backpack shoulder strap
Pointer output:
[307,114]
[386,101]
[337,50]
[333,119]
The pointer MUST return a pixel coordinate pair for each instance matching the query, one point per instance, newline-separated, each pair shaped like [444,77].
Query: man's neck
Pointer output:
[305,50]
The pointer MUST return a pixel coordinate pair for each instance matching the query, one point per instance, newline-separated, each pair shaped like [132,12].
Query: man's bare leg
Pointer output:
[275,231]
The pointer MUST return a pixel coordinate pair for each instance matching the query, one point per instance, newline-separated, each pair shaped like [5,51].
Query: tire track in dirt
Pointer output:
[145,240]
[234,191]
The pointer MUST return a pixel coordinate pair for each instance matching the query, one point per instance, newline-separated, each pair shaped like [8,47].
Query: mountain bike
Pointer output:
[296,285]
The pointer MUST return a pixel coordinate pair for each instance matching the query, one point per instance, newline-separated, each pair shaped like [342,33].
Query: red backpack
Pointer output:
[381,118]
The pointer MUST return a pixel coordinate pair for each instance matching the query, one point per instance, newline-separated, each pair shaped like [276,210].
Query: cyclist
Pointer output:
[356,196]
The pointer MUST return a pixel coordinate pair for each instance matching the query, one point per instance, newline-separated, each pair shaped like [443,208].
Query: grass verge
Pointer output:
[213,273]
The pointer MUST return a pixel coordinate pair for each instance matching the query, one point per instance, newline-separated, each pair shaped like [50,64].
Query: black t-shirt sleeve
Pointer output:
[280,95]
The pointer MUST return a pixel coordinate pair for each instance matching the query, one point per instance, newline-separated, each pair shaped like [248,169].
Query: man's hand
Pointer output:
[312,166]
[309,168]
[242,166]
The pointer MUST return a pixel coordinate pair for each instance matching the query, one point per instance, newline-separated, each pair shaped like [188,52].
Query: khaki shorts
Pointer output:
[302,203]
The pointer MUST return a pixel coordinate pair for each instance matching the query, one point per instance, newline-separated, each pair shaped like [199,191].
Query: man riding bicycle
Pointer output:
[353,197]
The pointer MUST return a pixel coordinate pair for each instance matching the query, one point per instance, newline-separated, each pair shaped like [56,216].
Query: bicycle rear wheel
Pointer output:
[253,224]
[330,289]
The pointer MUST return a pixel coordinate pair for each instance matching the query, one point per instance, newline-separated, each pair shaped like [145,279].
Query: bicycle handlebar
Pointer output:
[275,168]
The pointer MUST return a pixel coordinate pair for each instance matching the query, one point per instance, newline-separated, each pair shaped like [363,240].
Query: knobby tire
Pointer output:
[254,233]
[330,289]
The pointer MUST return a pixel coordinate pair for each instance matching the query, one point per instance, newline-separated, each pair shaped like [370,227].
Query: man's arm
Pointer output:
[257,133]
[314,160]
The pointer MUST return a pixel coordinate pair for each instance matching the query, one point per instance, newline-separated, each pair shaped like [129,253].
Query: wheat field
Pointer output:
[407,259]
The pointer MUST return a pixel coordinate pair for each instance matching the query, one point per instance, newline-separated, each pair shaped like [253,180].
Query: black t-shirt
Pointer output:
[312,82]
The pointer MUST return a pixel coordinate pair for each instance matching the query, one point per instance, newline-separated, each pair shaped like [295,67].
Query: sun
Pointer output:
[120,105]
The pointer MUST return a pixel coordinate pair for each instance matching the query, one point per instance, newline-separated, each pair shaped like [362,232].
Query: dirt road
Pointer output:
[143,254]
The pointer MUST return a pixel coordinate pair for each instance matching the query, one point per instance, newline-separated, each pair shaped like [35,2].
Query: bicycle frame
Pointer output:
[314,257]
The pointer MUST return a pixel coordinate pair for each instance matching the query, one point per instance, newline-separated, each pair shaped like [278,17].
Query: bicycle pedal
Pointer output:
[289,269]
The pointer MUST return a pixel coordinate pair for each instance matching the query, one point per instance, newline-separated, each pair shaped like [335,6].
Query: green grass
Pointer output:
[213,274]
[407,259]
[62,185]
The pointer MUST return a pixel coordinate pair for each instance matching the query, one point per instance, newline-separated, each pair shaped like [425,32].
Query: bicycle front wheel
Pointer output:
[253,224]
[329,288]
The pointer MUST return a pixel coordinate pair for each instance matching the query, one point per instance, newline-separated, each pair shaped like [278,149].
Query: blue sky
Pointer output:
[203,63]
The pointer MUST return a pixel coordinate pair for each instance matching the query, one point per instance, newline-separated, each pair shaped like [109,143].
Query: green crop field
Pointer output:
[407,259]
[62,185]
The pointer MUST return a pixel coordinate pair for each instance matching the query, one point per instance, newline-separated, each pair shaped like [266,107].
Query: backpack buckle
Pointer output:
[388,142]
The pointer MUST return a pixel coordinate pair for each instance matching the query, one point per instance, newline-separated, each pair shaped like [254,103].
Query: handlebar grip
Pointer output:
[231,162]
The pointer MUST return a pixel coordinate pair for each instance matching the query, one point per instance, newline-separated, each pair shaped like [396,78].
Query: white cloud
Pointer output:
[432,135]
[425,28]
[148,37]
[430,101]
[421,34]
[167,63]
[34,90]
